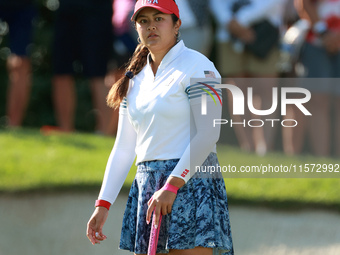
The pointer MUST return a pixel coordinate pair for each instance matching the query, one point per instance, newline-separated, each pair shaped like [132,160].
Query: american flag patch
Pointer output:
[209,74]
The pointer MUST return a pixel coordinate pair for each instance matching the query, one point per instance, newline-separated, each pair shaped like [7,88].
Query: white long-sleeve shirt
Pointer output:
[158,122]
[248,15]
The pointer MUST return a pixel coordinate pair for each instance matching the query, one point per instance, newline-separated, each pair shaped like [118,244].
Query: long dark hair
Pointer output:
[136,63]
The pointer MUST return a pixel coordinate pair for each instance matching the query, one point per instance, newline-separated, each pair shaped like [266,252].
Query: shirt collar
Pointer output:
[173,53]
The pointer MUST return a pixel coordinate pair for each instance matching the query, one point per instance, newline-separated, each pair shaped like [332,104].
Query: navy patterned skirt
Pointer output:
[199,215]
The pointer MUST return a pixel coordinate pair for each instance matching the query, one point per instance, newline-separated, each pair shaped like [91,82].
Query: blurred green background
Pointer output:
[31,163]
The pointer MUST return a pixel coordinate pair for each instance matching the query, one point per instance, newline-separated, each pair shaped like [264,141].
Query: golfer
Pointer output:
[161,122]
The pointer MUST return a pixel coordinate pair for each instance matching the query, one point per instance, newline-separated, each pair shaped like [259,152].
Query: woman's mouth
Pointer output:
[152,35]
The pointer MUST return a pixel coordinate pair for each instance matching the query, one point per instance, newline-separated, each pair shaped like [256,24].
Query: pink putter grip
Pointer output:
[155,232]
[154,235]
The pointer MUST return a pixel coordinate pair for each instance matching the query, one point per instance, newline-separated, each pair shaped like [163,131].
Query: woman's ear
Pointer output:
[178,24]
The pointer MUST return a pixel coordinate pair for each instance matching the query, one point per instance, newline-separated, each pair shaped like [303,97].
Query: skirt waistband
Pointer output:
[157,165]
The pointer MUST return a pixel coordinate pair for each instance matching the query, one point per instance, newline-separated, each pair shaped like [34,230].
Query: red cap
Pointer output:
[165,6]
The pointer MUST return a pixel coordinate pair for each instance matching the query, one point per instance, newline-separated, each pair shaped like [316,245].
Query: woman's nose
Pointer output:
[152,26]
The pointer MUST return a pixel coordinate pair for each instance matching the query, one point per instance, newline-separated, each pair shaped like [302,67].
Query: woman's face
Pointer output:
[156,30]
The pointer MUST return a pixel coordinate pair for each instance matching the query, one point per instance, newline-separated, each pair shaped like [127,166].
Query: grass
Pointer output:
[281,192]
[33,162]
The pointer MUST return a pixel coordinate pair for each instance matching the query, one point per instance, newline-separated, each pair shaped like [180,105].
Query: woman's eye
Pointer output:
[158,18]
[142,21]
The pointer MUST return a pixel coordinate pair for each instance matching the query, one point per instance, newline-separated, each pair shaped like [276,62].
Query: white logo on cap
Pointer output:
[150,2]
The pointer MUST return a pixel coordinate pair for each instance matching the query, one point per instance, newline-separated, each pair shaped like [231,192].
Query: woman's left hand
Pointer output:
[161,202]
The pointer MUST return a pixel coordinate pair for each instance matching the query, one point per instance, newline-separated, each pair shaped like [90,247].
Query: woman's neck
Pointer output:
[157,58]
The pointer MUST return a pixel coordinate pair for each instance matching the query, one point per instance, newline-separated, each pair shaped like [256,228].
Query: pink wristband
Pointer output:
[103,203]
[170,187]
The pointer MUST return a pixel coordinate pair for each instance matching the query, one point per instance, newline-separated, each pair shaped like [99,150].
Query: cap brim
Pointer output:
[134,16]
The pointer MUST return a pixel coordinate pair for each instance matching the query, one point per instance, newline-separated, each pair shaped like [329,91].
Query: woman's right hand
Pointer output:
[95,225]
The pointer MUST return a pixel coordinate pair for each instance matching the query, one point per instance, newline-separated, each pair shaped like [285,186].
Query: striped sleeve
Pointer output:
[123,106]
[207,88]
